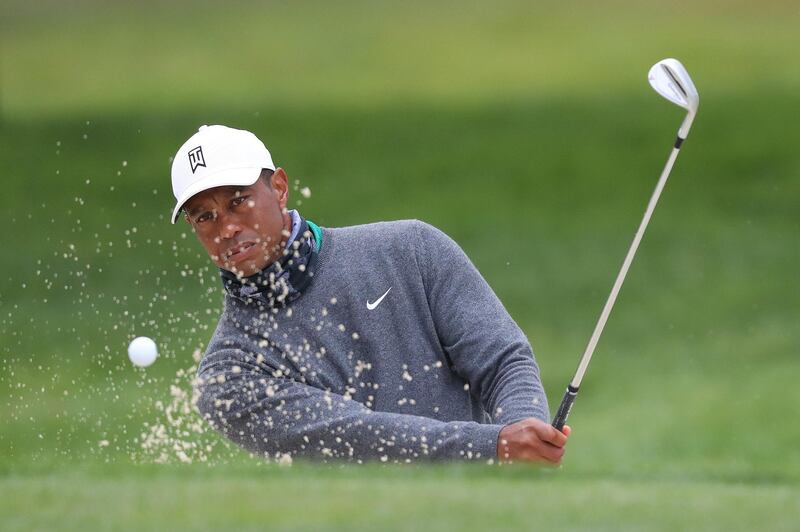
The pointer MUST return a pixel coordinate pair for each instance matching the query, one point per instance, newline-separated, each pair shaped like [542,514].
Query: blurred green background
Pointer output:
[525,130]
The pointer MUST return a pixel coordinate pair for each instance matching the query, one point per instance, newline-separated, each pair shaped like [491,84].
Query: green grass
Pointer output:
[62,59]
[451,498]
[526,132]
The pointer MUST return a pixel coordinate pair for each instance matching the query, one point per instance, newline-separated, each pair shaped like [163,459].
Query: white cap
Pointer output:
[217,156]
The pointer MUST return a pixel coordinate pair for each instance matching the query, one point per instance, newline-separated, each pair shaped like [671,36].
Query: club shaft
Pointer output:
[612,297]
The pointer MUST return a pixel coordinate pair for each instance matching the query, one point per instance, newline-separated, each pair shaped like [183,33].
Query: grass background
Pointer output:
[526,131]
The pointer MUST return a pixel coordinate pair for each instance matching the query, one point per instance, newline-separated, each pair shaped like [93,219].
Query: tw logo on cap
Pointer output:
[196,158]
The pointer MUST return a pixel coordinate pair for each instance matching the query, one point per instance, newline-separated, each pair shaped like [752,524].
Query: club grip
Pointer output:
[565,407]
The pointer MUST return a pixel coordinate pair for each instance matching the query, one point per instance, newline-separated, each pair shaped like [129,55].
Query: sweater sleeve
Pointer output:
[249,400]
[485,346]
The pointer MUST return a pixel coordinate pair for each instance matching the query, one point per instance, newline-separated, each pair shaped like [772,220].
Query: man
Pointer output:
[373,342]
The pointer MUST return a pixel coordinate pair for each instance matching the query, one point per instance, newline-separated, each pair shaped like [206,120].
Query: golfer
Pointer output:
[373,342]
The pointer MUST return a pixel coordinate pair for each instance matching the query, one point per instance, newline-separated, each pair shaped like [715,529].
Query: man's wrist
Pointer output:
[484,441]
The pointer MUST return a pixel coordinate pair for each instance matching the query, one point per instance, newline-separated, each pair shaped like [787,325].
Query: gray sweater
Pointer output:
[433,370]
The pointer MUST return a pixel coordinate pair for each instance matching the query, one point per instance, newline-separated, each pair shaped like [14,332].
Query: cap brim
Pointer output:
[223,178]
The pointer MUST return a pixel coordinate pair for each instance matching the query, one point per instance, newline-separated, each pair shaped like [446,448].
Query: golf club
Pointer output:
[670,79]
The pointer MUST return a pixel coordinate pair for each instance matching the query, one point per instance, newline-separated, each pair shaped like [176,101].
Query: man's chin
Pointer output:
[248,268]
[245,269]
[252,269]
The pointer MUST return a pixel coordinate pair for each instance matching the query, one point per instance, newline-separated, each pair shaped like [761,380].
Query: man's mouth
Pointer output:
[238,251]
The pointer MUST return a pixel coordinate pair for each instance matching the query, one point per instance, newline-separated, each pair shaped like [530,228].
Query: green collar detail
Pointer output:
[317,233]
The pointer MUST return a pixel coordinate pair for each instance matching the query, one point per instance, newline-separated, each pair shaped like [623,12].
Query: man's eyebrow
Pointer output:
[191,211]
[235,190]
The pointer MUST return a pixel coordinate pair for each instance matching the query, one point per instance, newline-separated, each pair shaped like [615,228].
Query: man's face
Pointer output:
[244,229]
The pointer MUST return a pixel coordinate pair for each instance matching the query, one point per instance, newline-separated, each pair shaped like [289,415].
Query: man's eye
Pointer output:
[206,216]
[235,202]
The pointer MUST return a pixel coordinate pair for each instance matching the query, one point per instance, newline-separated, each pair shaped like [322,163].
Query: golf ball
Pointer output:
[142,351]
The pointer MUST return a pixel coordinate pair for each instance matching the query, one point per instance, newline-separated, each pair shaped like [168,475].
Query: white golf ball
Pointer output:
[142,351]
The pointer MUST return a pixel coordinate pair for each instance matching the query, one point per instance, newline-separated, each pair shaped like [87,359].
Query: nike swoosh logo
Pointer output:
[371,306]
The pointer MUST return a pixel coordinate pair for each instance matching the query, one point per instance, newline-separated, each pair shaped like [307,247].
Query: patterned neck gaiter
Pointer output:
[285,279]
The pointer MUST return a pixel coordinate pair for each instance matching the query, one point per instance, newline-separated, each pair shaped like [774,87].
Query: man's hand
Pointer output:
[532,440]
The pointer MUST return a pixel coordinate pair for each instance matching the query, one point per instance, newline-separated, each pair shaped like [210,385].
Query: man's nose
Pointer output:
[230,228]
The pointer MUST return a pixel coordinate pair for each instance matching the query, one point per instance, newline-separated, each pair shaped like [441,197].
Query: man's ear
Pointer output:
[280,186]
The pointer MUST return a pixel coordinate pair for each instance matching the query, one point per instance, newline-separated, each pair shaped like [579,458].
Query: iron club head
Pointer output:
[671,80]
